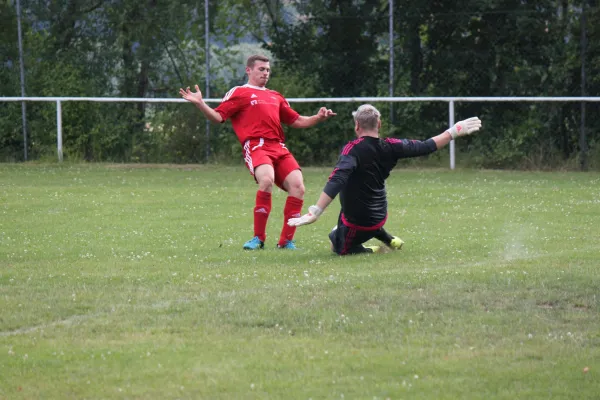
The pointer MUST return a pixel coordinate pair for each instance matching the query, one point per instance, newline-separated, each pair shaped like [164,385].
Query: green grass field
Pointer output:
[122,282]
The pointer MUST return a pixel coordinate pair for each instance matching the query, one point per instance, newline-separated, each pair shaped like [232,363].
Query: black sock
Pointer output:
[383,236]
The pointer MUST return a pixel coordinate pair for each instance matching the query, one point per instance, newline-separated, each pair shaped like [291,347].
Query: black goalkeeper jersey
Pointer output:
[360,173]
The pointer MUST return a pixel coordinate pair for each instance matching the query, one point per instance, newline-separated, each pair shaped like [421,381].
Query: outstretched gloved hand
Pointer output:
[465,127]
[314,212]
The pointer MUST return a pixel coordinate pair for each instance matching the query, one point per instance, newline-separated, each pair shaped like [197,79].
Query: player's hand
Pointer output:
[325,113]
[190,96]
[314,212]
[465,127]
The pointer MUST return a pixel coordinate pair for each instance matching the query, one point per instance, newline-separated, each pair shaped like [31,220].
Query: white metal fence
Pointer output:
[450,100]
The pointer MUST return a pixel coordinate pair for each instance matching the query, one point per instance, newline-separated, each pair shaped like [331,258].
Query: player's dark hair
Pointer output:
[255,58]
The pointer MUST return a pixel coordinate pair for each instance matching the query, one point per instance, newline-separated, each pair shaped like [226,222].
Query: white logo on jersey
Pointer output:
[253,96]
[253,102]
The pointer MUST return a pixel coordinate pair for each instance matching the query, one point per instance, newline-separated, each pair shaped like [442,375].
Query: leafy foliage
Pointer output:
[330,48]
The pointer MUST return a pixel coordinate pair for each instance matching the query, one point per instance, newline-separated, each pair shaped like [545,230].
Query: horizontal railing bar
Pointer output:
[314,99]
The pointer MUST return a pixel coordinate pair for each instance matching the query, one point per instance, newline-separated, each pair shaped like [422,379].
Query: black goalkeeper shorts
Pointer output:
[346,240]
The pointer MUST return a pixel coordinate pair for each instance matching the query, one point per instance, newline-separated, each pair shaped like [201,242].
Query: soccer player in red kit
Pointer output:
[256,114]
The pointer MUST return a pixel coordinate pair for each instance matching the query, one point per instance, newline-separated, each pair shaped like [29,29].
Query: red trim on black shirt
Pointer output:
[350,145]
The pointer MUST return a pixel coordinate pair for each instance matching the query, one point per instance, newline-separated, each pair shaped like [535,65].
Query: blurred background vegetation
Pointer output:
[319,48]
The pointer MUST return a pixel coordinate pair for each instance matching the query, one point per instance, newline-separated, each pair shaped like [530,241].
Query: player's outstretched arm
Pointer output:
[461,128]
[196,99]
[314,212]
[307,122]
[337,180]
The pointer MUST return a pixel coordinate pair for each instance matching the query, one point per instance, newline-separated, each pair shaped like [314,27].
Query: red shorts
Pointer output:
[259,151]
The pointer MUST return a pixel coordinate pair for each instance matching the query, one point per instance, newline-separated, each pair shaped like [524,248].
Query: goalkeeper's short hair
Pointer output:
[367,117]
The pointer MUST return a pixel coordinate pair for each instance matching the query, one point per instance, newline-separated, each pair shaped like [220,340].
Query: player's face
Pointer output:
[258,75]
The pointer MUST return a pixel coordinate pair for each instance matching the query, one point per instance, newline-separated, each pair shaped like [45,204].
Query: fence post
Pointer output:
[207,55]
[391,39]
[451,121]
[22,70]
[582,140]
[59,130]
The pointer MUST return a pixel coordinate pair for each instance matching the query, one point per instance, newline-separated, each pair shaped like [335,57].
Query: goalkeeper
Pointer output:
[359,178]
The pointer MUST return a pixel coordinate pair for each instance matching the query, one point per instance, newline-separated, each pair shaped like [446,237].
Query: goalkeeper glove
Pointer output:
[465,127]
[314,212]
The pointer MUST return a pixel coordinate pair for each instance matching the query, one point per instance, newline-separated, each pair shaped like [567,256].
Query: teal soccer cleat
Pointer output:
[254,244]
[289,245]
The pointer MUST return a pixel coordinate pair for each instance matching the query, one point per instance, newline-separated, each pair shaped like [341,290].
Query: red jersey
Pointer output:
[256,112]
